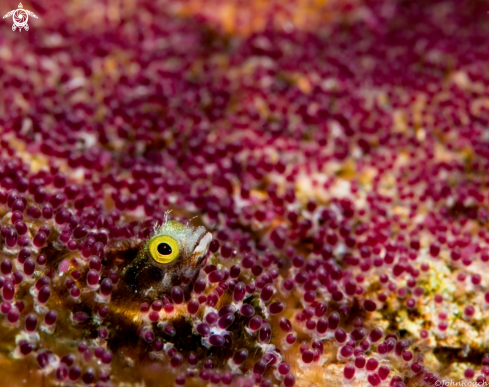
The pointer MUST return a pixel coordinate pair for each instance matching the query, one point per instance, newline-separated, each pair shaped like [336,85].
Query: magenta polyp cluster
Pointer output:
[341,170]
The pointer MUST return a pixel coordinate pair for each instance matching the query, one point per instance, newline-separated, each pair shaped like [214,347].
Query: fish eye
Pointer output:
[163,249]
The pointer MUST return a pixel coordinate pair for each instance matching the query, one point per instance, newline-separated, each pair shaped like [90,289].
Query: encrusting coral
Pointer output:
[327,183]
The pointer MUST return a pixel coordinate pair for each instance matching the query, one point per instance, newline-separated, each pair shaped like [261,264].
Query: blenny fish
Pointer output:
[79,302]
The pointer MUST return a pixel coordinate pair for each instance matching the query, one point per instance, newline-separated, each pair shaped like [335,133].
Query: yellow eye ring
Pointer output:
[163,249]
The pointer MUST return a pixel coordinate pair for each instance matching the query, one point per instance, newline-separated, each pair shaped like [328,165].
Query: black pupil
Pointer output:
[164,249]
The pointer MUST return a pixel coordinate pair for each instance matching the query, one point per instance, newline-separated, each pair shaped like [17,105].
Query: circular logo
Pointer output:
[20,18]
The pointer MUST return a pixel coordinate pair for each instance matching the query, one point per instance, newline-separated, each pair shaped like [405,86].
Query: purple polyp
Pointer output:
[177,295]
[216,340]
[247,310]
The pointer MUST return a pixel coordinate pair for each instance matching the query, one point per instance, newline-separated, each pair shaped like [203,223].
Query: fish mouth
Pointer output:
[203,243]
